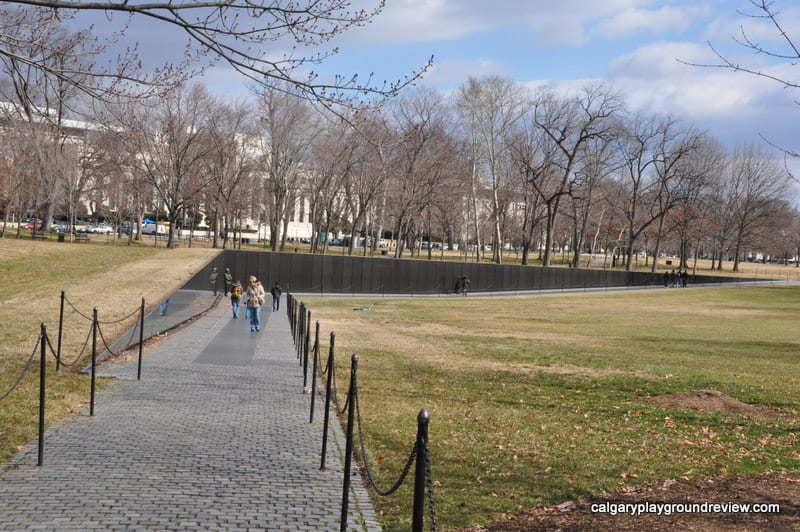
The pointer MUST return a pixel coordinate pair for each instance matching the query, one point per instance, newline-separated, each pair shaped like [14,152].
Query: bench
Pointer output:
[38,235]
[82,237]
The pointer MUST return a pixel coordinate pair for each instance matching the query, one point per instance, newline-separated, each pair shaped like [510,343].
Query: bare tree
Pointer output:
[532,155]
[334,159]
[230,162]
[689,219]
[754,187]
[286,126]
[166,141]
[490,108]
[595,166]
[366,183]
[423,164]
[18,175]
[570,124]
[656,154]
[36,100]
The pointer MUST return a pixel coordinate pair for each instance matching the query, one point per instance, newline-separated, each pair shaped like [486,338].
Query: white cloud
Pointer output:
[452,73]
[549,23]
[659,60]
[656,22]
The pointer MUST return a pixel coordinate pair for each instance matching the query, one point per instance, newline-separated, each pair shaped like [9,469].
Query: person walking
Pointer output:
[214,275]
[465,282]
[276,292]
[228,280]
[236,298]
[255,298]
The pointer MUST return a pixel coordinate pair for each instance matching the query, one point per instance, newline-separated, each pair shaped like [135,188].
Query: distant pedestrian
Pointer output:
[276,296]
[666,279]
[255,298]
[214,275]
[685,278]
[462,285]
[465,282]
[236,298]
[228,280]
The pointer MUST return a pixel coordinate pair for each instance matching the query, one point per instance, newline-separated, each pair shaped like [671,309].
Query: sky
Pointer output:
[636,46]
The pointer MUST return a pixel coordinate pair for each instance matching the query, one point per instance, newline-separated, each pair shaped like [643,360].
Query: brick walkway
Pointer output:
[214,437]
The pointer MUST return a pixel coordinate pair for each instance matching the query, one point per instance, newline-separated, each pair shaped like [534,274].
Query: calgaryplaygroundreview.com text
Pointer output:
[669,508]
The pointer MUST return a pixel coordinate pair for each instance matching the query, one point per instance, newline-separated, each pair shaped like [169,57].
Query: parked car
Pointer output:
[33,225]
[100,228]
[152,229]
[61,227]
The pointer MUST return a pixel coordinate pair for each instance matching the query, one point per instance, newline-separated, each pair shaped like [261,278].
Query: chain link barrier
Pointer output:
[120,320]
[77,358]
[76,311]
[365,457]
[429,485]
[334,391]
[90,318]
[103,339]
[24,370]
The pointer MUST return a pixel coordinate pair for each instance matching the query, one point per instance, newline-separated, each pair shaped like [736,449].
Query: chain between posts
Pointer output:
[365,457]
[419,454]
[25,369]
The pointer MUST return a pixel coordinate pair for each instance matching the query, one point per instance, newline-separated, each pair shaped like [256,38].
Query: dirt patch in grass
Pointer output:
[711,401]
[776,488]
[780,489]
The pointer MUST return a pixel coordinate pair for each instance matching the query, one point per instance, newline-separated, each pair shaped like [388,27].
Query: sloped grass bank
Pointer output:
[111,278]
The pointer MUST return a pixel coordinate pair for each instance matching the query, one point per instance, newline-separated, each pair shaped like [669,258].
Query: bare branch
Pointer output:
[239,33]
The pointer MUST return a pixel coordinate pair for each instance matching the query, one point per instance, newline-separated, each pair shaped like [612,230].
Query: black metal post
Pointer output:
[298,337]
[94,361]
[306,343]
[297,332]
[42,382]
[290,314]
[293,316]
[60,329]
[419,472]
[330,370]
[300,331]
[348,453]
[141,342]
[314,374]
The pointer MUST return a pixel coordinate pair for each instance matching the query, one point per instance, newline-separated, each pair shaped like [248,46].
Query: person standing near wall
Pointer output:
[214,275]
[228,280]
[255,298]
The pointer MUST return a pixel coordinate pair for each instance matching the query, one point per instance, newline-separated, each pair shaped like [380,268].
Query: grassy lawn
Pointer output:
[544,399]
[533,400]
[111,278]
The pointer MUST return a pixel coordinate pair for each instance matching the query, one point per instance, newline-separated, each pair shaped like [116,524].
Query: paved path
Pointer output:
[214,437]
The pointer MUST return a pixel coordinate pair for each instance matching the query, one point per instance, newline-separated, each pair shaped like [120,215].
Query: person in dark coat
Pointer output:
[214,275]
[276,296]
[462,283]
